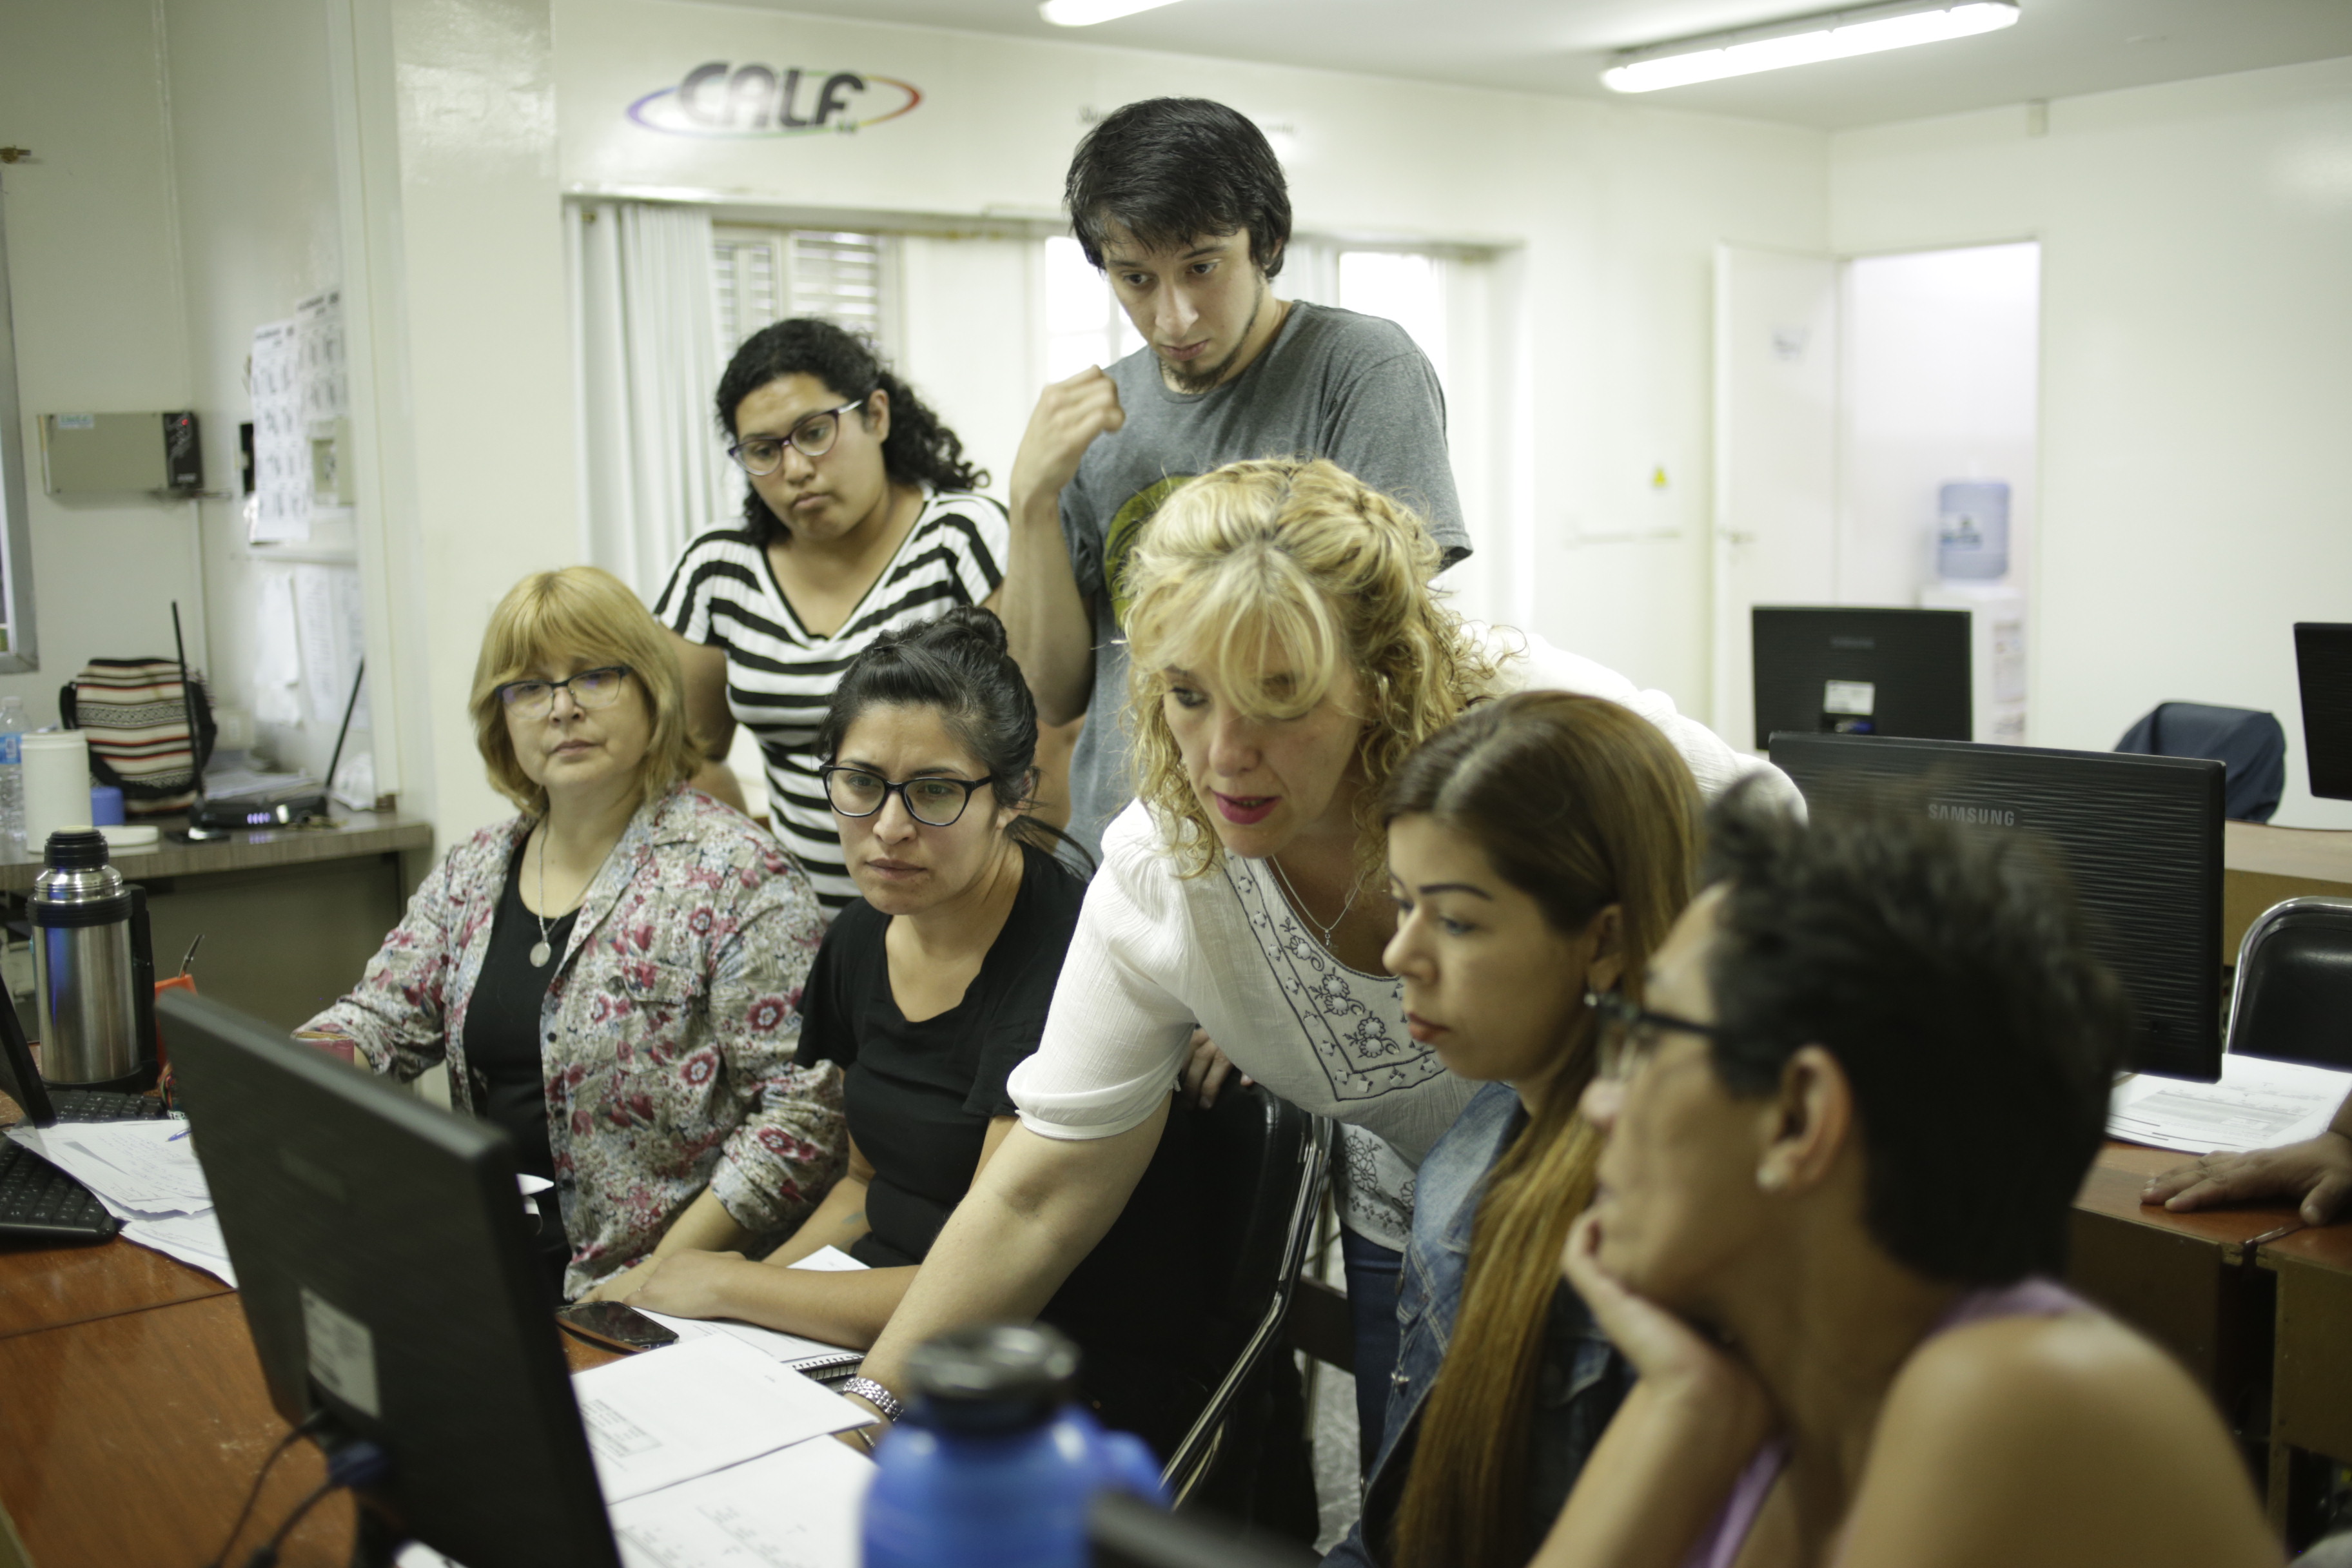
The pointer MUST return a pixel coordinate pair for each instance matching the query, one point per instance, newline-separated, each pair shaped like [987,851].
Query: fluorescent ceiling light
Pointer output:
[1836,35]
[1087,13]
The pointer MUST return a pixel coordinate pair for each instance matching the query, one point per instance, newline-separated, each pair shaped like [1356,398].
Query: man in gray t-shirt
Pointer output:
[1181,203]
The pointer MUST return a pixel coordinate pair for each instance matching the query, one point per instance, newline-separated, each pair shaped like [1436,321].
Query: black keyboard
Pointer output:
[40,1202]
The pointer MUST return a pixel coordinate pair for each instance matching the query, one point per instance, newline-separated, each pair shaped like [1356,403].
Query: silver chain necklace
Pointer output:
[1298,903]
[542,950]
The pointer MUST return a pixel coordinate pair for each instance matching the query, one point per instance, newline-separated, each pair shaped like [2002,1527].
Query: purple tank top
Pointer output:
[2030,1298]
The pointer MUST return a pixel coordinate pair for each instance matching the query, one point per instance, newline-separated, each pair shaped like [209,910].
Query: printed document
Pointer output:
[656,1420]
[2258,1102]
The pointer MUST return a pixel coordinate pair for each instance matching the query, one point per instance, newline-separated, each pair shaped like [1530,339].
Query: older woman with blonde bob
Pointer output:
[613,977]
[1286,654]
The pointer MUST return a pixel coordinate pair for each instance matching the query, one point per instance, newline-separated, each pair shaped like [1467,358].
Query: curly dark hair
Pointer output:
[1947,973]
[1167,169]
[918,451]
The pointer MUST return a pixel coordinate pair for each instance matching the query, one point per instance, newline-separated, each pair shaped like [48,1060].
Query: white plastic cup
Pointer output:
[57,785]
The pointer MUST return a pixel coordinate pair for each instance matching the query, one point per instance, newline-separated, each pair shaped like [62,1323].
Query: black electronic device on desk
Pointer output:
[2138,838]
[1845,671]
[37,1201]
[2323,668]
[388,1278]
[288,807]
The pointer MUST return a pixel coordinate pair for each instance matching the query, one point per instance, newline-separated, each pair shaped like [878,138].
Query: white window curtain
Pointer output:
[653,470]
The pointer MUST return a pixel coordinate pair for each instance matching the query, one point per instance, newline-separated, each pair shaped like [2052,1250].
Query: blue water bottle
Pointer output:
[994,1465]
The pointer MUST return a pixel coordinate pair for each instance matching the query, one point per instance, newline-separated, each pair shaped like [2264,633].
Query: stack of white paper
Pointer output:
[656,1420]
[146,1174]
[2259,1103]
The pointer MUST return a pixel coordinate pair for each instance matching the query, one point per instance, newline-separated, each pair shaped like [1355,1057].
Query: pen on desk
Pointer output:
[2270,1236]
[175,1137]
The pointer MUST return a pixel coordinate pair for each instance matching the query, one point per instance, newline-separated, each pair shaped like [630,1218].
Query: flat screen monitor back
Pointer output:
[2323,668]
[2140,839]
[382,1258]
[1843,670]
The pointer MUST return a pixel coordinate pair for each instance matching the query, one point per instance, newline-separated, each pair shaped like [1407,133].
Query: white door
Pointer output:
[1776,387]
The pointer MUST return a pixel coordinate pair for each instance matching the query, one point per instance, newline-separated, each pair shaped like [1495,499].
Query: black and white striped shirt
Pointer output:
[780,676]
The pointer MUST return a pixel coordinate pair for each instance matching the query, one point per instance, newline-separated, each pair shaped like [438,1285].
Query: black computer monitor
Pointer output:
[1825,670]
[2140,838]
[2323,668]
[384,1260]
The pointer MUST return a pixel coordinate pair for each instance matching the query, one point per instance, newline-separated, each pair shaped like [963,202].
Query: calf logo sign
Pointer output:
[723,99]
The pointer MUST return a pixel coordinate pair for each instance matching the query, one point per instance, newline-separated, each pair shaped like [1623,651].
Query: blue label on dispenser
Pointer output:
[12,746]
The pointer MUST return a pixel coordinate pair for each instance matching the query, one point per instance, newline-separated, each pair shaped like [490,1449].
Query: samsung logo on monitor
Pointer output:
[1972,815]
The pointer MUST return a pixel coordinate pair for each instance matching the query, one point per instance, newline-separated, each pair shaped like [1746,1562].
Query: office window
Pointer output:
[1084,322]
[766,274]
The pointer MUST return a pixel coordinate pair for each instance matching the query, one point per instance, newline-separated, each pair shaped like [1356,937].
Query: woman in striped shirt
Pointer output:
[859,519]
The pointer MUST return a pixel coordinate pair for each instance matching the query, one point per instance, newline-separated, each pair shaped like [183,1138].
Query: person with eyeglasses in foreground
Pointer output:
[1539,848]
[615,975]
[927,993]
[1844,1130]
[1286,654]
[859,517]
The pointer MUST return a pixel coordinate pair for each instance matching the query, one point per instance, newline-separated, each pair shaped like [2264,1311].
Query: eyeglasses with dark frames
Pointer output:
[590,690]
[1628,1032]
[813,437]
[934,802]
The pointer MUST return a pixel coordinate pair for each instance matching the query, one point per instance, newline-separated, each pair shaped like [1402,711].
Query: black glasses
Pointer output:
[933,802]
[813,437]
[1628,1032]
[590,688]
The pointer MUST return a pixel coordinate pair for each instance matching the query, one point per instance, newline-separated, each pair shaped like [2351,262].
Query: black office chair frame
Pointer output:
[2261,1001]
[1302,1178]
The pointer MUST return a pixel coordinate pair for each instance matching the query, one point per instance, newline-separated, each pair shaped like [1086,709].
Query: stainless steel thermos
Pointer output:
[93,967]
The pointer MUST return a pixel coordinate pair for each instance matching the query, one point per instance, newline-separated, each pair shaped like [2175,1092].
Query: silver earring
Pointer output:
[1769,1180]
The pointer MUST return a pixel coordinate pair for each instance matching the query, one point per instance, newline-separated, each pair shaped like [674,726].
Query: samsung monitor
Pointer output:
[386,1268]
[2323,668]
[2140,838]
[1825,670]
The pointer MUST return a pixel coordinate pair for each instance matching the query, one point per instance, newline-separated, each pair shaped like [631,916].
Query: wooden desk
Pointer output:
[54,1287]
[2185,1280]
[290,916]
[132,1437]
[2311,1383]
[2261,865]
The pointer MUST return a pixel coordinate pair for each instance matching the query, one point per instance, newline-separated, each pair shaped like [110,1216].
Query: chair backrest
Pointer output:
[2250,744]
[2294,993]
[1262,1161]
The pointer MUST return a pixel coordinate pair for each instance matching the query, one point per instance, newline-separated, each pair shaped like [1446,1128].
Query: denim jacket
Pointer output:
[1582,1380]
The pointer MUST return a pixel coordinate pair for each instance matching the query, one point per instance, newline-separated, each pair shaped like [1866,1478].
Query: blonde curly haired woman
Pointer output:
[1286,654]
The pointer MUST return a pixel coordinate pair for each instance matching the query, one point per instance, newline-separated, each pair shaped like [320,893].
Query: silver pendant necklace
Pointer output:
[1298,904]
[543,949]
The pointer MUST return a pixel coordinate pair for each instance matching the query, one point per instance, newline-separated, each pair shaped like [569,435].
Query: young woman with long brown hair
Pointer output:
[1538,849]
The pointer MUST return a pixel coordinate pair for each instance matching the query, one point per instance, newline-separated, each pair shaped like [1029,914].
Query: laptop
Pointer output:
[37,1201]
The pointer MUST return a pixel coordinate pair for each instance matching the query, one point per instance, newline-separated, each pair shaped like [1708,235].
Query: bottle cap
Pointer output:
[76,848]
[992,1377]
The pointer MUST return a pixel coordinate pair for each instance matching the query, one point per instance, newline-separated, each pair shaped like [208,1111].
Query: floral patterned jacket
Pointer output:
[670,1025]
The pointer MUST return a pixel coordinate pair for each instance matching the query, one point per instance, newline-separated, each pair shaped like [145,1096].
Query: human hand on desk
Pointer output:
[687,1284]
[625,1285]
[2314,1175]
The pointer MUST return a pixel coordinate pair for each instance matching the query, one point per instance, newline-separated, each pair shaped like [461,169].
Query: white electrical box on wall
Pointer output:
[114,453]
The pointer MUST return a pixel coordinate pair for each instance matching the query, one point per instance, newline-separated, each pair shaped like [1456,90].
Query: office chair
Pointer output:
[1263,1162]
[2250,744]
[2293,999]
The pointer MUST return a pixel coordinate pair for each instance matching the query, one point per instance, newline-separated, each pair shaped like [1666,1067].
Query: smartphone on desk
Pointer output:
[615,1325]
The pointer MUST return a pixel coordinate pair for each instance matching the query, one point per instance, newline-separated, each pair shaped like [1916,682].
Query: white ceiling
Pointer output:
[2058,48]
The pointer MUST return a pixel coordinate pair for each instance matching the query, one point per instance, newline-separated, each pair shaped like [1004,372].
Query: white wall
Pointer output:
[1607,216]
[99,322]
[2196,240]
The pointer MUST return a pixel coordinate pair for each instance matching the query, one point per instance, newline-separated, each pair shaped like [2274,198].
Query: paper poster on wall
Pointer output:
[319,339]
[328,617]
[276,652]
[282,441]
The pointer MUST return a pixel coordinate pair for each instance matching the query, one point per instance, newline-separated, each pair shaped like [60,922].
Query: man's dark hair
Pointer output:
[1946,971]
[1167,169]
[919,449]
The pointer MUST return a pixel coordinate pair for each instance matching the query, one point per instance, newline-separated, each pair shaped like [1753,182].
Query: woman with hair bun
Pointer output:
[859,519]
[927,993]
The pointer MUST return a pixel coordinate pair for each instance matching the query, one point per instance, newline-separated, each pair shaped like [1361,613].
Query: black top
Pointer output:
[502,1044]
[920,1097]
